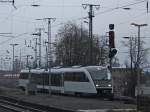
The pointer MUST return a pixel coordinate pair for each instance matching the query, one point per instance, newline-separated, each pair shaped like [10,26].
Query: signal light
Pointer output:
[111,39]
[112,53]
[111,26]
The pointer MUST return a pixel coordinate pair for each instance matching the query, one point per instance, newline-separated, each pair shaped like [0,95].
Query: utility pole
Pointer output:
[35,50]
[138,61]
[38,34]
[49,39]
[20,60]
[39,47]
[147,6]
[13,66]
[49,50]
[132,43]
[46,54]
[27,63]
[8,1]
[29,75]
[1,63]
[91,15]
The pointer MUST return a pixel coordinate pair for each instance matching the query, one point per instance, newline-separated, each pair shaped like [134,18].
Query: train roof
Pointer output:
[37,70]
[62,69]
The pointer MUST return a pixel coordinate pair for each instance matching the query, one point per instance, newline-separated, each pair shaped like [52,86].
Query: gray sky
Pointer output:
[22,20]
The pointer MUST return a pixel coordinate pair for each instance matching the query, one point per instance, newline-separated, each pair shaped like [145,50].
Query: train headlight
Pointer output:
[109,85]
[97,85]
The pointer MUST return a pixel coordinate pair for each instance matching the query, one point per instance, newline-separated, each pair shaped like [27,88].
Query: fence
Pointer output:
[144,103]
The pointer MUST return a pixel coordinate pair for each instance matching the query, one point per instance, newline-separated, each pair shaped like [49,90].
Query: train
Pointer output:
[78,80]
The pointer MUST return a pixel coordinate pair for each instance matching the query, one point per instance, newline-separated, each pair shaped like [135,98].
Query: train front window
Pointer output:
[98,74]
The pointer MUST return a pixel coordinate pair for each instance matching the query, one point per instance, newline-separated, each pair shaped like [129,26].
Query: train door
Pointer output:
[57,83]
[62,82]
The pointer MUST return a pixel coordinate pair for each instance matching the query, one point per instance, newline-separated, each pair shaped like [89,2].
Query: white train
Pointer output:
[76,80]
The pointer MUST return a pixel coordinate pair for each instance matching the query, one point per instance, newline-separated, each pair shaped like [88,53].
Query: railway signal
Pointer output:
[111,39]
[112,53]
[113,50]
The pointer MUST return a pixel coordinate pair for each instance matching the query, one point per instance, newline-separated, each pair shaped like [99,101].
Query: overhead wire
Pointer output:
[146,49]
[108,10]
[5,35]
[13,37]
[143,13]
[119,7]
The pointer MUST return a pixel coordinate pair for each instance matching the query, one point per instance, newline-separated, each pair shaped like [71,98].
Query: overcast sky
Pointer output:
[22,20]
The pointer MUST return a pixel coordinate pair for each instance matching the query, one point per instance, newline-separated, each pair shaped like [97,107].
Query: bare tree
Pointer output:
[132,47]
[104,50]
[73,46]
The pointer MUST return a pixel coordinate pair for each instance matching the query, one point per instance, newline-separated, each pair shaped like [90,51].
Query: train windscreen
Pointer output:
[99,74]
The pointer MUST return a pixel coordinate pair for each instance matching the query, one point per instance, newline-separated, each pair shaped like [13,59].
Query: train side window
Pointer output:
[84,77]
[76,77]
[56,79]
[45,78]
[36,78]
[81,77]
[68,76]
[24,76]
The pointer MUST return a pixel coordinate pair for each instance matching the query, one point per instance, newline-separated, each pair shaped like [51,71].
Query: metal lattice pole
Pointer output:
[13,67]
[138,61]
[49,50]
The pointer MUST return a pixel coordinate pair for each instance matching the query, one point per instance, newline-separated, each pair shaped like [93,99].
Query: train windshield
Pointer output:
[99,73]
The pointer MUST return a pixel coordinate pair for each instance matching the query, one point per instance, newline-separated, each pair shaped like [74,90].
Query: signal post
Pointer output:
[112,49]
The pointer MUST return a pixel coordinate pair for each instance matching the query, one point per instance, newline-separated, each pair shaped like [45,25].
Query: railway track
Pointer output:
[16,105]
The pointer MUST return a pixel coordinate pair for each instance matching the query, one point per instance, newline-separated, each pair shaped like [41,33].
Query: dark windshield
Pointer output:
[98,73]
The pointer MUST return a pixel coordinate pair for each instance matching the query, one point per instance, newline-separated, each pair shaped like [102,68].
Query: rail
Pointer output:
[17,105]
